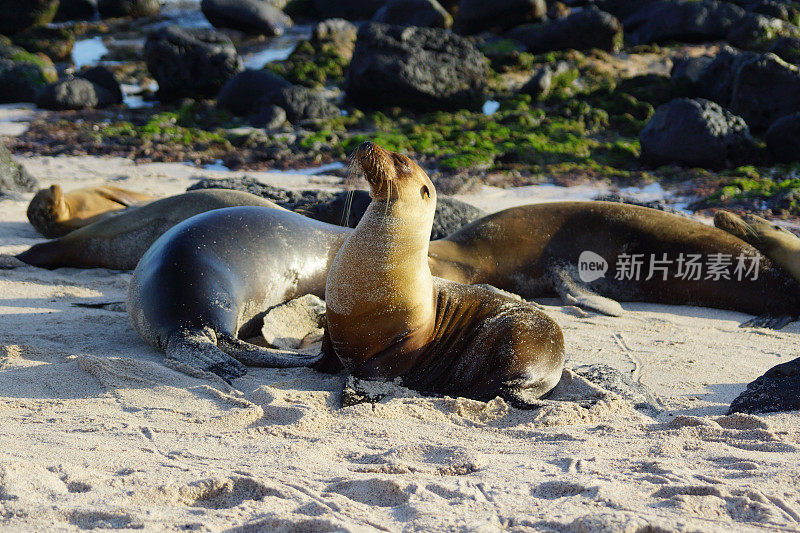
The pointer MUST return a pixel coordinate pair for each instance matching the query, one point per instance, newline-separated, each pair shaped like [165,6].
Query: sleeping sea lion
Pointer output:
[120,239]
[388,317]
[54,213]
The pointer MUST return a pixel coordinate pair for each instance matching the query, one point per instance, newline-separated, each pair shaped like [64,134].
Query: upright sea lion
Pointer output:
[54,213]
[120,239]
[777,243]
[388,317]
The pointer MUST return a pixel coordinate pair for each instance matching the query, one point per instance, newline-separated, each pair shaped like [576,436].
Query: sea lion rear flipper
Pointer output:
[253,355]
[768,321]
[197,349]
[574,292]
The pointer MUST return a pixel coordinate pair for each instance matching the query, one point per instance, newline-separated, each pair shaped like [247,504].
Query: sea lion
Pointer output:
[777,243]
[54,213]
[388,317]
[538,250]
[120,239]
[206,283]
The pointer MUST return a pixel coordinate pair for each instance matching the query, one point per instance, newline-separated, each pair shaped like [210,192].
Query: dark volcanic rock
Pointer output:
[695,133]
[19,15]
[418,68]
[344,208]
[76,10]
[475,16]
[248,16]
[423,13]
[104,78]
[247,92]
[581,30]
[55,43]
[783,138]
[777,390]
[13,176]
[74,93]
[542,78]
[347,9]
[339,34]
[303,104]
[682,21]
[771,8]
[788,49]
[190,63]
[128,8]
[758,32]
[765,89]
[22,74]
[687,72]
[271,117]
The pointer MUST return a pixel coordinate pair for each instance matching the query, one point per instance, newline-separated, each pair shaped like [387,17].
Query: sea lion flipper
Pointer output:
[768,321]
[253,355]
[198,350]
[574,292]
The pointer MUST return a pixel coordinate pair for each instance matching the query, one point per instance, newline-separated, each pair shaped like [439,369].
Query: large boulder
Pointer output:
[13,176]
[247,92]
[777,390]
[696,133]
[580,30]
[128,8]
[256,17]
[23,74]
[475,16]
[682,21]
[76,10]
[19,16]
[190,62]
[765,89]
[783,138]
[347,9]
[92,89]
[55,43]
[419,68]
[780,10]
[423,13]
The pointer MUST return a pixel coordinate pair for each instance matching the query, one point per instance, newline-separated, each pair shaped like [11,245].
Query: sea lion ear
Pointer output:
[425,192]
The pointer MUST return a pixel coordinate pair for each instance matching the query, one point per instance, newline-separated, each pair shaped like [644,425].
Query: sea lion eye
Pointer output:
[425,192]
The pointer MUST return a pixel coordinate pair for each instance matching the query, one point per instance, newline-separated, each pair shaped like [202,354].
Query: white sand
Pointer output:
[95,432]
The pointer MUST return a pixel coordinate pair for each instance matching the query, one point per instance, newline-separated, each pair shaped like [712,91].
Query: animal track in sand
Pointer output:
[281,525]
[552,490]
[439,460]
[374,492]
[218,493]
[103,520]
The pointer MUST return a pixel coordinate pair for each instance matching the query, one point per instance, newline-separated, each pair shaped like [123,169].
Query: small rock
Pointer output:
[74,93]
[542,79]
[55,43]
[418,68]
[338,33]
[271,117]
[128,8]
[286,325]
[248,92]
[13,176]
[788,49]
[696,133]
[783,138]
[422,13]
[192,63]
[302,104]
[255,17]
[23,74]
[765,89]
[581,30]
[475,16]
[759,32]
[347,9]
[682,21]
[777,390]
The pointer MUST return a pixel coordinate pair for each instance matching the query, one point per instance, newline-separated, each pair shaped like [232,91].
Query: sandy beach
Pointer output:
[96,432]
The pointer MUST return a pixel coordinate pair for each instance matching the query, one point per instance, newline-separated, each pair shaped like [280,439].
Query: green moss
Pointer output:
[311,67]
[163,128]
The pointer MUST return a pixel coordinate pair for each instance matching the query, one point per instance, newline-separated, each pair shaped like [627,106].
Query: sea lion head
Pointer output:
[393,177]
[754,230]
[47,207]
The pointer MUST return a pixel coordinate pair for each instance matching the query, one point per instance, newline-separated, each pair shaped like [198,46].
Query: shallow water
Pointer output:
[88,52]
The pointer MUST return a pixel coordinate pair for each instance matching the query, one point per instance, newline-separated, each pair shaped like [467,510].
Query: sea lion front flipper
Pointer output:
[574,292]
[253,355]
[768,321]
[356,391]
[528,400]
[197,349]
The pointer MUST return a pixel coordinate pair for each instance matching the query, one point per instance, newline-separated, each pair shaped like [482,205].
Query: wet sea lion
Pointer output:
[206,283]
[120,239]
[777,243]
[55,213]
[388,317]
